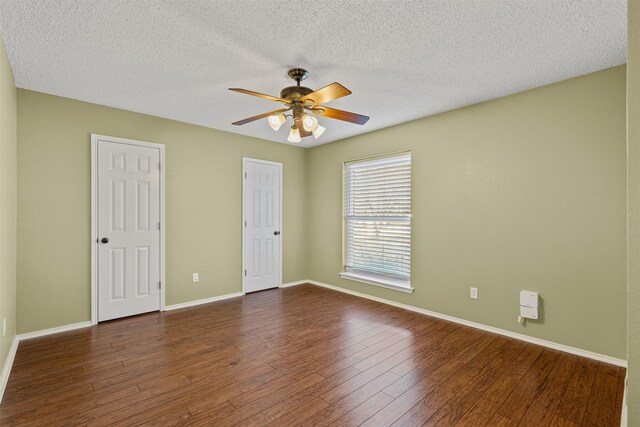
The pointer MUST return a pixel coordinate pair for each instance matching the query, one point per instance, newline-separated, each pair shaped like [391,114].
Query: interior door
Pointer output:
[128,229]
[262,238]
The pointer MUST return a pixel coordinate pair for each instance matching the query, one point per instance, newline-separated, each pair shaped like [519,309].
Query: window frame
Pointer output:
[370,278]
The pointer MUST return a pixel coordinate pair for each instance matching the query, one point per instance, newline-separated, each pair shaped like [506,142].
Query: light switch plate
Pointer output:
[473,293]
[196,278]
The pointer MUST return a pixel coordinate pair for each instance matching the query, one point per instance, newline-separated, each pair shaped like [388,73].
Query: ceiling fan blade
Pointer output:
[303,132]
[260,116]
[259,95]
[328,93]
[334,113]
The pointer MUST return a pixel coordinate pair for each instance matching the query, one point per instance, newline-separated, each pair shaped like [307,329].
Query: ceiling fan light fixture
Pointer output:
[300,99]
[276,121]
[318,131]
[294,135]
[309,123]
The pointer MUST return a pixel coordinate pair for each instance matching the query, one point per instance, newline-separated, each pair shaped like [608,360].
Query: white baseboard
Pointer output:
[510,334]
[52,331]
[299,282]
[8,364]
[202,301]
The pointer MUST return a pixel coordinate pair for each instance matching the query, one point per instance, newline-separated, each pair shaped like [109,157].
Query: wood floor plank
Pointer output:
[58,410]
[544,406]
[295,416]
[23,418]
[448,388]
[270,387]
[621,389]
[436,359]
[303,355]
[13,408]
[337,409]
[177,417]
[364,411]
[463,400]
[576,397]
[518,401]
[403,403]
[270,407]
[603,397]
[488,403]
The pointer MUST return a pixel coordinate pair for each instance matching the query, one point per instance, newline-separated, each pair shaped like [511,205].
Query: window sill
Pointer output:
[377,281]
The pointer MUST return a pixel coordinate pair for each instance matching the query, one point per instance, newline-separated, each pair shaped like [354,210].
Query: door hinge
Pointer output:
[245,272]
[245,224]
[158,165]
[159,285]
[245,175]
[158,226]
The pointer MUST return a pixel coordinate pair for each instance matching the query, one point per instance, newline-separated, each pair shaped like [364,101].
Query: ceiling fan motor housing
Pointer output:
[293,93]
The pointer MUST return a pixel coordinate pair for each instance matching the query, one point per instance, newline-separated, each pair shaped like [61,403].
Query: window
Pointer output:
[377,221]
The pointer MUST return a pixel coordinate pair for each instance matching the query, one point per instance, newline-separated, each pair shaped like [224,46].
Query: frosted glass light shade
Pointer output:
[276,121]
[294,135]
[318,131]
[309,123]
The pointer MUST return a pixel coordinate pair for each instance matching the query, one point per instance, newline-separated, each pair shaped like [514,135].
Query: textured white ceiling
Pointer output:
[402,59]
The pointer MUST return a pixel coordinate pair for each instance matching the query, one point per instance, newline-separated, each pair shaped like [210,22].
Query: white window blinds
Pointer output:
[377,208]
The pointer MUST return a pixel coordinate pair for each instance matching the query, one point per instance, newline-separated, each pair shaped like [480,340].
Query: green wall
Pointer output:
[522,192]
[7,205]
[203,205]
[633,194]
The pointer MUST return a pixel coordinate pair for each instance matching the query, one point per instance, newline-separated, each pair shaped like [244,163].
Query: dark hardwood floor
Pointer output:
[302,356]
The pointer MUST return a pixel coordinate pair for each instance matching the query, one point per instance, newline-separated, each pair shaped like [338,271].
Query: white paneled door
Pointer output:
[262,238]
[128,229]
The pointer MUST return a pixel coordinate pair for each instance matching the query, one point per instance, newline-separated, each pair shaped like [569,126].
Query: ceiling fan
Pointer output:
[300,100]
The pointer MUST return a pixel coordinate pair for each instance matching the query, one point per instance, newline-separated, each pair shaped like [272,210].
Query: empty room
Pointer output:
[354,213]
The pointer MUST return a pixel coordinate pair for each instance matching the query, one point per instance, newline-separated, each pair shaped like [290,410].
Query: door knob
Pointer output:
[104,240]
[276,233]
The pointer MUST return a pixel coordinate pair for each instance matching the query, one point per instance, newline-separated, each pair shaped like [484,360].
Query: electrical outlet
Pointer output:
[4,327]
[473,293]
[196,278]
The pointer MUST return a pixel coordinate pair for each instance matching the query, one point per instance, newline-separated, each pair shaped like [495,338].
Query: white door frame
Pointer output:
[94,217]
[244,180]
